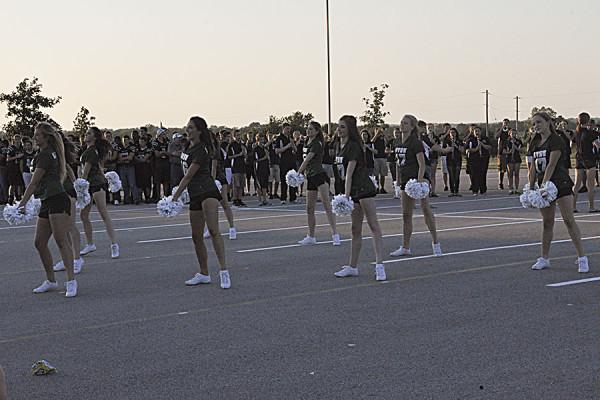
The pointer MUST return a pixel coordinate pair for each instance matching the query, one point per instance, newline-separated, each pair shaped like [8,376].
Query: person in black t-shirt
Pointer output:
[143,169]
[391,157]
[126,168]
[274,171]
[434,156]
[546,148]
[260,155]
[162,166]
[453,147]
[369,152]
[236,152]
[587,145]
[380,168]
[285,148]
[299,141]
[502,137]
[3,172]
[197,161]
[350,161]
[410,153]
[513,158]
[27,161]
[13,163]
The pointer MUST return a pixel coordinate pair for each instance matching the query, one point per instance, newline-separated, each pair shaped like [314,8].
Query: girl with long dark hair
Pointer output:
[453,147]
[92,161]
[410,155]
[547,150]
[358,186]
[585,141]
[53,218]
[318,183]
[197,162]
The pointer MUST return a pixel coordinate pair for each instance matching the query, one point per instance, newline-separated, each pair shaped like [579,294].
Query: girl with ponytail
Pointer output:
[197,162]
[92,161]
[318,183]
[54,216]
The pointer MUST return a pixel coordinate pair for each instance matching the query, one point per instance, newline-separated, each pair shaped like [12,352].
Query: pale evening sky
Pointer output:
[238,61]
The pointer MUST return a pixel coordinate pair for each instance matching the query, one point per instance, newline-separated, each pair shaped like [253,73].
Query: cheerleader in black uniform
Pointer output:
[53,218]
[318,183]
[547,149]
[410,156]
[260,155]
[196,161]
[218,174]
[143,168]
[92,160]
[587,144]
[74,236]
[350,161]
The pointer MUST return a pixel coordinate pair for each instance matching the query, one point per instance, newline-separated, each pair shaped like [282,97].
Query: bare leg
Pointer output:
[87,224]
[211,216]
[429,219]
[517,171]
[578,185]
[197,224]
[61,225]
[548,228]
[591,174]
[370,211]
[311,200]
[100,199]
[43,231]
[510,168]
[226,206]
[564,204]
[357,221]
[408,205]
[74,235]
[324,194]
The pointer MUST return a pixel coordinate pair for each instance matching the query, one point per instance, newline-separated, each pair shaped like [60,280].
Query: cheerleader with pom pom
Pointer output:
[92,160]
[220,177]
[54,214]
[78,191]
[204,199]
[318,183]
[414,183]
[351,164]
[548,165]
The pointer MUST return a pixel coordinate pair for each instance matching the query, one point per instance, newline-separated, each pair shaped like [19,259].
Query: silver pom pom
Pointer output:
[294,179]
[114,182]
[218,184]
[168,208]
[12,215]
[82,188]
[549,191]
[184,197]
[342,205]
[417,190]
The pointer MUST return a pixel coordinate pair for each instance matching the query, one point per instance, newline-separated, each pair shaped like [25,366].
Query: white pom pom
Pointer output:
[549,191]
[114,182]
[342,205]
[168,208]
[536,199]
[524,198]
[82,188]
[218,184]
[373,180]
[184,197]
[12,215]
[294,179]
[397,190]
[416,190]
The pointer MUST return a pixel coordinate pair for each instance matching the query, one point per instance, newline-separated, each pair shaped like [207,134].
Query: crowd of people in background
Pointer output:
[148,163]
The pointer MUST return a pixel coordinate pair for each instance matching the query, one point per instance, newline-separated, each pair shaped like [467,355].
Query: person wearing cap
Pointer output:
[175,148]
[162,167]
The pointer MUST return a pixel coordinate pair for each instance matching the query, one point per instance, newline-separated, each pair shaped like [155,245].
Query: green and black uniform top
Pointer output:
[141,153]
[427,146]
[406,157]
[202,182]
[584,142]
[431,141]
[28,157]
[315,165]
[541,158]
[517,144]
[50,184]
[124,153]
[362,185]
[238,165]
[455,156]
[390,146]
[567,156]
[95,176]
[369,155]
[260,152]
[502,136]
[161,147]
[286,159]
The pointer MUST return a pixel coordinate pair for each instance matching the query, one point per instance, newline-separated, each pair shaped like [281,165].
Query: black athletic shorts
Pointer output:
[97,188]
[196,202]
[58,204]
[357,199]
[582,163]
[71,192]
[317,180]
[564,191]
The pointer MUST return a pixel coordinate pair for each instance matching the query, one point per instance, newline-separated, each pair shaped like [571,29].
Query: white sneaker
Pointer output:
[380,272]
[206,233]
[232,234]
[583,265]
[77,265]
[225,280]
[437,249]
[308,240]
[541,263]
[346,271]
[71,288]
[87,249]
[401,252]
[198,279]
[59,266]
[336,239]
[114,250]
[46,286]
[116,203]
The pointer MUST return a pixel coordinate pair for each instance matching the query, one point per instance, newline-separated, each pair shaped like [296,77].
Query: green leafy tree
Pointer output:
[374,114]
[274,124]
[83,121]
[553,114]
[299,121]
[25,106]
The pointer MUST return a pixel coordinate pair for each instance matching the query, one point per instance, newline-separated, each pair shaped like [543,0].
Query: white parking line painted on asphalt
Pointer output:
[576,282]
[484,249]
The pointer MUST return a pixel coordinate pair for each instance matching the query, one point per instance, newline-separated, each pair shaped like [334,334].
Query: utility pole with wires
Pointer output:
[487,107]
[517,115]
[328,71]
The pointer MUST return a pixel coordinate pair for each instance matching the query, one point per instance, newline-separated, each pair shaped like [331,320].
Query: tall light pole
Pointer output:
[517,118]
[328,70]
